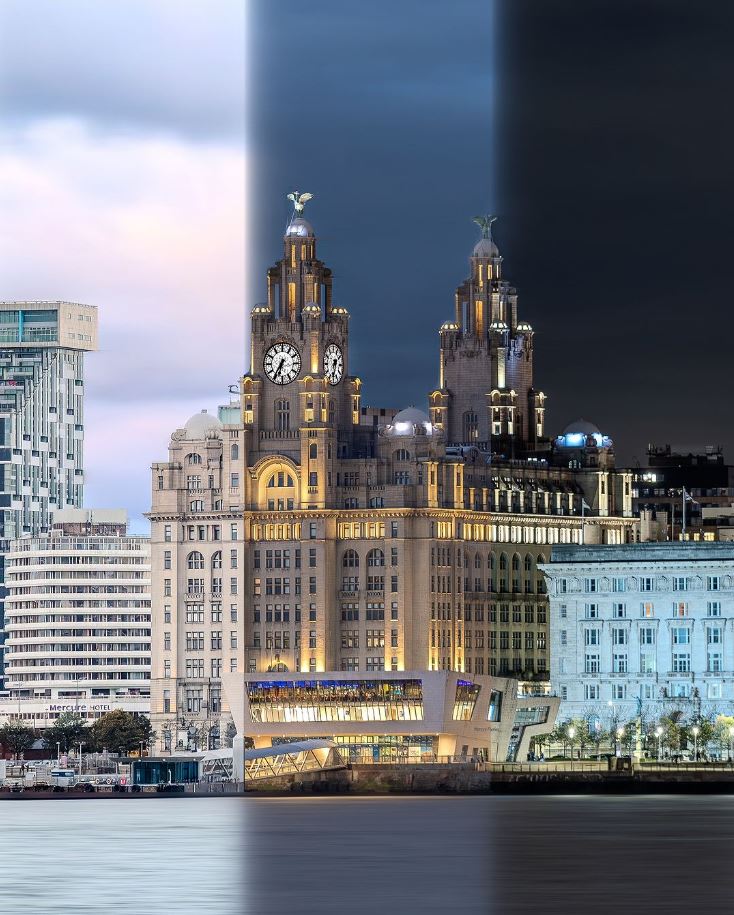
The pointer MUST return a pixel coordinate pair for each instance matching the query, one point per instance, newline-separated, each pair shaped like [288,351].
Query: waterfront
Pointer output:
[498,855]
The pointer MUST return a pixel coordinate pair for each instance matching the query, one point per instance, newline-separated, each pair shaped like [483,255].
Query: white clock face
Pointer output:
[333,364]
[282,363]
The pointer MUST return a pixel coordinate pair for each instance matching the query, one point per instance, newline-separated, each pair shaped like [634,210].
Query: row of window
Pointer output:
[620,584]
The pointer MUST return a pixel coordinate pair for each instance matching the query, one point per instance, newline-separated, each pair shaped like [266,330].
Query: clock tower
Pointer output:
[298,393]
[486,395]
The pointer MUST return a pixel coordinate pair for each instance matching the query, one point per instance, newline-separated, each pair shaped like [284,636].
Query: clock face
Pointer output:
[282,363]
[333,364]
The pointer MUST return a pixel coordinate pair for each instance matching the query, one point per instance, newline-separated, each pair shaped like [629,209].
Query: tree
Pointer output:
[120,730]
[68,729]
[16,737]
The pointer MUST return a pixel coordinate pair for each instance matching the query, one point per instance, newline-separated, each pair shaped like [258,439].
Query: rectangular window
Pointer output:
[619,611]
[233,559]
[233,639]
[591,611]
[681,662]
[591,691]
[619,663]
[592,637]
[233,532]
[619,585]
[590,585]
[680,635]
[167,533]
[620,637]
[712,582]
[713,608]
[647,609]
[646,584]
[166,587]
[591,663]
[647,662]
[166,559]
[680,608]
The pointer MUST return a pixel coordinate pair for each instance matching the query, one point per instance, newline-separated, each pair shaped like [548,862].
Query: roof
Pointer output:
[300,746]
[670,551]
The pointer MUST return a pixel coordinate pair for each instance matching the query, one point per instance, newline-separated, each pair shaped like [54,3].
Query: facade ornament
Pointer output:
[485,224]
[299,201]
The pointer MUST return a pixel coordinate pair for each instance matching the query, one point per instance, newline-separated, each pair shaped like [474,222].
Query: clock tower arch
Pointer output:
[298,389]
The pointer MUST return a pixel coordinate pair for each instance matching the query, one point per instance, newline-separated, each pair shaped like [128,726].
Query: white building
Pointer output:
[390,716]
[642,627]
[77,620]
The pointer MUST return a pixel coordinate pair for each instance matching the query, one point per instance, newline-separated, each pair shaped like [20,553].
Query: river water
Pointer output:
[498,855]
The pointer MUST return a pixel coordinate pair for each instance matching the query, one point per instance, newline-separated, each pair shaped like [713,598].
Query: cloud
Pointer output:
[150,229]
[142,65]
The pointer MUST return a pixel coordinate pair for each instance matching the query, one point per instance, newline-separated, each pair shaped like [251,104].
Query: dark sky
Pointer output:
[600,133]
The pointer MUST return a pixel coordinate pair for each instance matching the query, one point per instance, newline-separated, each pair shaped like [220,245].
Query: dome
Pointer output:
[582,434]
[524,328]
[410,421]
[202,425]
[299,226]
[312,309]
[581,426]
[485,247]
[499,326]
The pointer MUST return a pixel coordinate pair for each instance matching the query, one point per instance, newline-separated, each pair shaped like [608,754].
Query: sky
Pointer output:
[599,135]
[122,155]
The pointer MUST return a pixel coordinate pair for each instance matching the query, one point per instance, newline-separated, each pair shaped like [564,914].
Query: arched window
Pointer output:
[477,561]
[195,560]
[375,558]
[490,562]
[350,560]
[234,452]
[401,455]
[515,563]
[528,563]
[193,459]
[280,479]
[197,505]
[313,452]
[282,415]
[541,559]
[503,561]
[471,426]
[217,560]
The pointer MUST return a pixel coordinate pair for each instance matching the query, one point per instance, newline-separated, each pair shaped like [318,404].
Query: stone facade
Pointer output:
[642,628]
[358,545]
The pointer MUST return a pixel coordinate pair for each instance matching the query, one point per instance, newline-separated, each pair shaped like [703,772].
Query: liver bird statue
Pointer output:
[485,224]
[299,201]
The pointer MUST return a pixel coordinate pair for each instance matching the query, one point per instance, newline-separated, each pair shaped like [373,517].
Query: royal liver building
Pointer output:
[304,532]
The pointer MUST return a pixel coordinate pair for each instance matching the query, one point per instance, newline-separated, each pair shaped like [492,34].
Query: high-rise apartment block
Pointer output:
[42,346]
[77,619]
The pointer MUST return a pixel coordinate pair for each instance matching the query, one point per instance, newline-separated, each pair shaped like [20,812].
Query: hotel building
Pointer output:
[312,534]
[77,620]
[642,628]
[42,346]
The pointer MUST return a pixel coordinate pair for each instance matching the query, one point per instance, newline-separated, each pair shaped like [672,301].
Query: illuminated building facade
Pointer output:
[387,716]
[310,534]
[642,629]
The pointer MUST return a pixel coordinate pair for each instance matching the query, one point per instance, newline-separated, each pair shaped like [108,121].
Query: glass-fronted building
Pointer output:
[42,346]
[389,716]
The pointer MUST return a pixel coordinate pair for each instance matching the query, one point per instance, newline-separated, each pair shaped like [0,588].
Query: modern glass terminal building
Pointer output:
[389,716]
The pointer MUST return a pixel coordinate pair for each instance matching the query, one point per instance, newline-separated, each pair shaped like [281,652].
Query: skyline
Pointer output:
[139,178]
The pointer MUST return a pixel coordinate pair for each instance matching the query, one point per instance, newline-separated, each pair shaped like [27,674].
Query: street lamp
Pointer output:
[571,735]
[695,730]
[80,758]
[58,753]
[659,735]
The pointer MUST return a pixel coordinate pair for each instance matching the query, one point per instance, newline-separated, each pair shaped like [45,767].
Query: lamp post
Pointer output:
[695,730]
[620,735]
[58,753]
[659,735]
[80,758]
[571,735]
